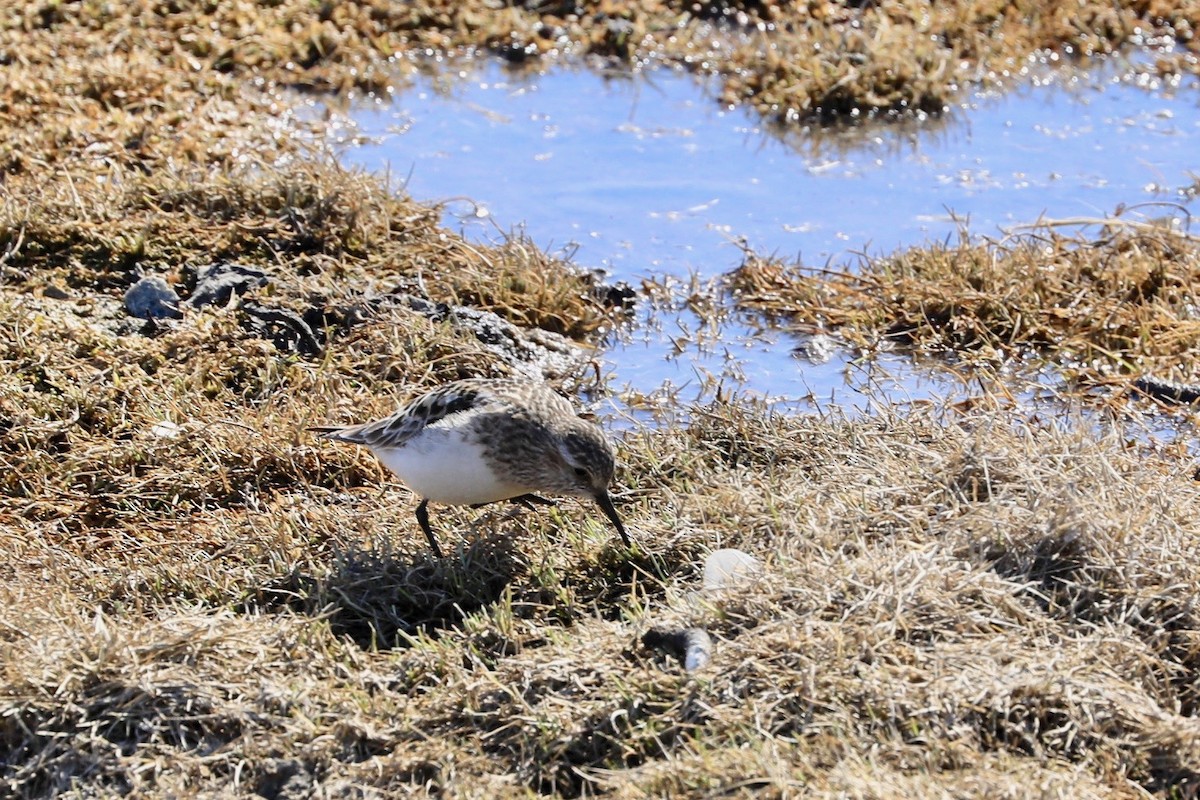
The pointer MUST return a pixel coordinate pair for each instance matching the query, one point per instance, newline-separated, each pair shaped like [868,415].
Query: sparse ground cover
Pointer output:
[199,599]
[1107,302]
[950,608]
[791,61]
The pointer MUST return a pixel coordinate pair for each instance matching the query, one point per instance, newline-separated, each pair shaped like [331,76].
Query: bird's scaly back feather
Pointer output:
[413,417]
[468,396]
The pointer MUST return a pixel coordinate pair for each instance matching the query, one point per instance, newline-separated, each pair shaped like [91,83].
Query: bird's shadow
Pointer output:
[380,596]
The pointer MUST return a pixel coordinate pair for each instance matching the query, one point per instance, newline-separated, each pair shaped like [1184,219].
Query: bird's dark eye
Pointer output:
[580,472]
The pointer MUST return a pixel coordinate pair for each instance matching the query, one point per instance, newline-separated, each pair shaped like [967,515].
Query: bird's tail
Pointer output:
[338,433]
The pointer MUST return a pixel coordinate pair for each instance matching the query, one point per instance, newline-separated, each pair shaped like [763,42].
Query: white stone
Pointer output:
[729,566]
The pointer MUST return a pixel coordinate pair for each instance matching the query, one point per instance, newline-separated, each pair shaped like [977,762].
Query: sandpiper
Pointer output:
[478,441]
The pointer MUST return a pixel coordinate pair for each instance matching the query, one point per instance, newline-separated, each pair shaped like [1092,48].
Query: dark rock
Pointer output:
[691,646]
[216,283]
[284,779]
[320,317]
[517,52]
[286,328]
[817,348]
[437,312]
[152,298]
[529,351]
[615,295]
[1168,391]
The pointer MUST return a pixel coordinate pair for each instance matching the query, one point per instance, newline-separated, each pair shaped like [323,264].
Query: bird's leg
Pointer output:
[527,500]
[531,500]
[423,521]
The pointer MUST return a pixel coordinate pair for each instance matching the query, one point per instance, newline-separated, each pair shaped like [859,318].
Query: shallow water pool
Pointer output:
[645,175]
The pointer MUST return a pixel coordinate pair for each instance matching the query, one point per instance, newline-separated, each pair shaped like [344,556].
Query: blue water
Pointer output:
[645,175]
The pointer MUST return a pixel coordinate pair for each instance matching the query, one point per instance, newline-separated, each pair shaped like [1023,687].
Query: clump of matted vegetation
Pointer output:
[323,230]
[1107,302]
[844,60]
[953,606]
[790,61]
[198,598]
[115,427]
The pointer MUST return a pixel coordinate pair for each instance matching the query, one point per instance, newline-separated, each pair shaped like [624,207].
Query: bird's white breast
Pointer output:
[443,465]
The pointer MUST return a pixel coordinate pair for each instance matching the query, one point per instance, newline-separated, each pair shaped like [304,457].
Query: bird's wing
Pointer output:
[414,416]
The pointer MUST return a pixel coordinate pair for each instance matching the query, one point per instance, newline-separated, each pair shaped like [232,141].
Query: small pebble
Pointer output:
[217,283]
[692,646]
[152,298]
[165,430]
[818,348]
[730,566]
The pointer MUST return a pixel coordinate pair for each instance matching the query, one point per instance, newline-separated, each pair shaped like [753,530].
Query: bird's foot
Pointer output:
[526,500]
[531,500]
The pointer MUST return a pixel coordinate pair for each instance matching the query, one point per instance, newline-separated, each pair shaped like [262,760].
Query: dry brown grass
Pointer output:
[848,60]
[957,606]
[953,606]
[334,235]
[1106,303]
[791,61]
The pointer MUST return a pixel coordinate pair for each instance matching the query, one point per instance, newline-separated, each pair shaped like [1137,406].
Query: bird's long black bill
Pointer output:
[606,505]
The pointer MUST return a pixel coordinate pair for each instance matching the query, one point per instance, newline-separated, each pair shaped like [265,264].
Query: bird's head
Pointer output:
[586,468]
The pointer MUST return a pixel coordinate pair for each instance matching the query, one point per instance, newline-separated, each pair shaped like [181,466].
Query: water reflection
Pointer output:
[642,174]
[646,173]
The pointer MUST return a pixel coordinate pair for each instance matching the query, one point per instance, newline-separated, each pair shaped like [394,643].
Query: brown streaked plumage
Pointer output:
[479,441]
